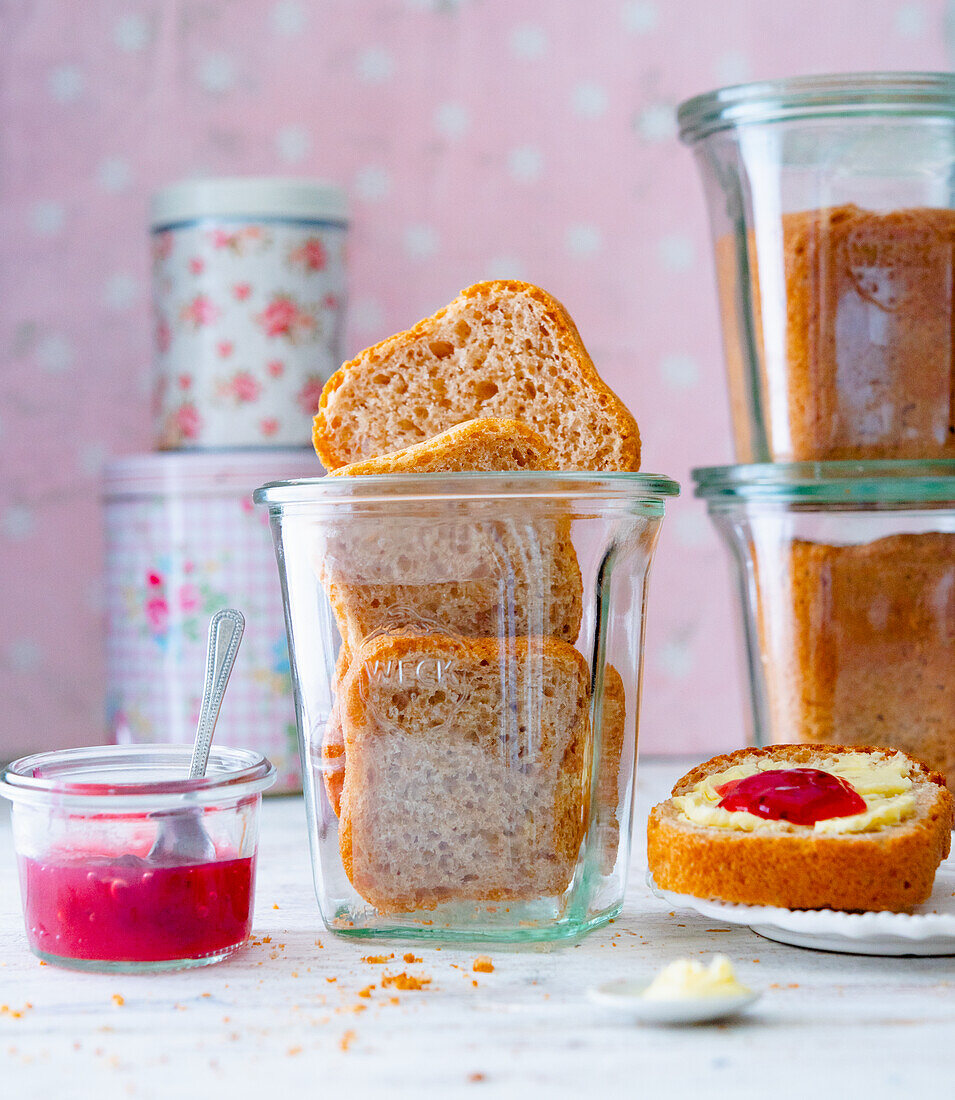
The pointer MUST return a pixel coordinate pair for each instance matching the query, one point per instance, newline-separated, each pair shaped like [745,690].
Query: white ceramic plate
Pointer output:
[928,931]
[626,997]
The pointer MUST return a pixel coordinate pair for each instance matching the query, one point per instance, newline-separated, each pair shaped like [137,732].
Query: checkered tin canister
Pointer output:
[183,539]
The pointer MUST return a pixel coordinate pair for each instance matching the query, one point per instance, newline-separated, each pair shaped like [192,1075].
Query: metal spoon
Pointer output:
[181,835]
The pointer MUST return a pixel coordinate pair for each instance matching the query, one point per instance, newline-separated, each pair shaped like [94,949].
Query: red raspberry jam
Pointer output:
[127,909]
[800,795]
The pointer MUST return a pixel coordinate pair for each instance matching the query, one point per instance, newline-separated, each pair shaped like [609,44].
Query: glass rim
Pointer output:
[469,485]
[826,95]
[889,481]
[241,772]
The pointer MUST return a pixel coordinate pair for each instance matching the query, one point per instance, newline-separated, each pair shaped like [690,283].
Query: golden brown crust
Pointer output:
[891,869]
[327,440]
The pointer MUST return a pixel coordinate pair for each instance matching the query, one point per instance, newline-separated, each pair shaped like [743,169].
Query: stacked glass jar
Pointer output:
[249,288]
[832,207]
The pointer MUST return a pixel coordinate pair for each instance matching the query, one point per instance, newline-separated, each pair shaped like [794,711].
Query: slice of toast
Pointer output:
[500,349]
[465,778]
[494,573]
[888,867]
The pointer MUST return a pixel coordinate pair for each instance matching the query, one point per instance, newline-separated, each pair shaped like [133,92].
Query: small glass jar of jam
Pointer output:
[98,892]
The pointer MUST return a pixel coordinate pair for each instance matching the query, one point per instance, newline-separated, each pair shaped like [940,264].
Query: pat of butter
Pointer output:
[884,784]
[690,979]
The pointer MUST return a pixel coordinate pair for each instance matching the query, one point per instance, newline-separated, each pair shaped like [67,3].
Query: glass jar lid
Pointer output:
[891,483]
[836,94]
[134,778]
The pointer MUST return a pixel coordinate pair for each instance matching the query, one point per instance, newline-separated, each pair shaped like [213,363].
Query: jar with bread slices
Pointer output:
[832,212]
[846,575]
[466,654]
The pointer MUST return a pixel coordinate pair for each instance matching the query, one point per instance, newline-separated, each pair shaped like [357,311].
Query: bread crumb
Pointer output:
[366,992]
[378,958]
[118,999]
[476,1077]
[346,1040]
[331,979]
[292,1051]
[404,981]
[410,958]
[474,981]
[275,906]
[483,964]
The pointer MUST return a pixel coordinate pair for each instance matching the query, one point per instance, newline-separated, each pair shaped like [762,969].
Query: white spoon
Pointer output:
[626,997]
[181,835]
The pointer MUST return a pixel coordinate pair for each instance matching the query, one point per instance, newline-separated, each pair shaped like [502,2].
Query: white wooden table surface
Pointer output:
[280,1019]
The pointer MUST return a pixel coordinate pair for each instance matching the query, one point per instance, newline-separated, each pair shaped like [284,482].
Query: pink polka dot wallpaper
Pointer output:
[532,139]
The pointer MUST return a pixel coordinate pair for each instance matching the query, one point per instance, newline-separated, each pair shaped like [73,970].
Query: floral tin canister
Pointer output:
[183,539]
[248,293]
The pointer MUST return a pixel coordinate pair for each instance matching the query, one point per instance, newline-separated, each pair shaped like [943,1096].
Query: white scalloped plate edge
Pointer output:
[827,927]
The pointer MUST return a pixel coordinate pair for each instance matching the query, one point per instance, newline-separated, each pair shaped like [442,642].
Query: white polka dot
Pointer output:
[375,65]
[676,252]
[657,122]
[366,315]
[640,16]
[421,241]
[91,458]
[589,100]
[293,143]
[732,67]
[54,353]
[528,42]
[120,292]
[525,165]
[583,240]
[373,183]
[24,655]
[679,371]
[675,658]
[504,267]
[452,120]
[911,20]
[114,174]
[288,18]
[691,527]
[17,521]
[66,83]
[47,218]
[132,33]
[217,73]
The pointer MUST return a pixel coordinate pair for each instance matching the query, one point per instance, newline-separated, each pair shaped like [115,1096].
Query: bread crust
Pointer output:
[581,376]
[890,869]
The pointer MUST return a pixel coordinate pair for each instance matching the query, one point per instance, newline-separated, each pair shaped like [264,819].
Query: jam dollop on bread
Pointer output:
[800,795]
[882,857]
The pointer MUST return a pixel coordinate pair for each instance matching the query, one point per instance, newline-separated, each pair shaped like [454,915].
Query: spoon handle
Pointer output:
[225,634]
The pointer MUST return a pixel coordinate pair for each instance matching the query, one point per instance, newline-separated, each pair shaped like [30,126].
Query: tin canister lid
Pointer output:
[178,473]
[292,198]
